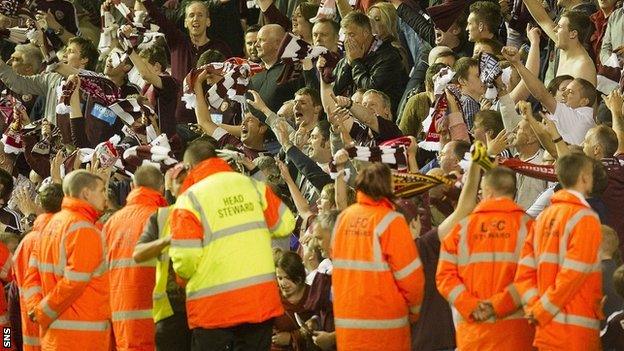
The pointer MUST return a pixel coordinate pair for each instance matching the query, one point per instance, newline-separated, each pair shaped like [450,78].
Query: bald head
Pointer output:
[269,39]
[499,182]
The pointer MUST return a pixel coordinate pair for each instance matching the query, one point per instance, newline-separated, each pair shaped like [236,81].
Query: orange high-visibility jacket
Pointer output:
[30,329]
[377,279]
[6,275]
[131,283]
[559,275]
[69,264]
[478,261]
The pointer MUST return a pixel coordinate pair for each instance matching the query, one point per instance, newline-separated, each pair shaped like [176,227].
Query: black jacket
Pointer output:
[381,70]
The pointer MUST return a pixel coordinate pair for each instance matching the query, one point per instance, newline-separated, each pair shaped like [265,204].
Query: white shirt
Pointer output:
[573,124]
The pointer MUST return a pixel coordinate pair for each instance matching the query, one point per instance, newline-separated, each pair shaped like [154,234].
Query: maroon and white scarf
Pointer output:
[543,172]
[95,85]
[438,113]
[235,73]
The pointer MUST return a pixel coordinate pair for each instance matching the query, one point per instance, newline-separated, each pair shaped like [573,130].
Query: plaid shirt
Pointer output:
[470,107]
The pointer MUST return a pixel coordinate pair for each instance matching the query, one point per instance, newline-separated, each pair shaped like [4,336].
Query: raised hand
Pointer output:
[257,102]
[511,54]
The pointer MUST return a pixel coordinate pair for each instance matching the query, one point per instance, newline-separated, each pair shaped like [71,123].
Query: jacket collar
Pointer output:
[567,196]
[367,200]
[498,204]
[82,207]
[203,170]
[146,196]
[41,221]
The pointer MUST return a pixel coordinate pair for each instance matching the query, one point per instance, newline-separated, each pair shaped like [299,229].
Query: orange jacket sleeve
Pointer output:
[580,260]
[448,281]
[187,235]
[31,289]
[525,280]
[509,300]
[402,256]
[84,251]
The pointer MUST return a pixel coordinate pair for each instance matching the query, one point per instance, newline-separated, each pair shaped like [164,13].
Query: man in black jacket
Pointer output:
[369,63]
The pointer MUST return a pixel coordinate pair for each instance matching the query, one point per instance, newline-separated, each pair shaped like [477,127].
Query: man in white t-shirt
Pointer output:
[575,116]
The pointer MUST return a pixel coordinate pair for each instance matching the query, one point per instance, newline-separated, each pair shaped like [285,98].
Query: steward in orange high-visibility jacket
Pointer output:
[221,227]
[30,329]
[377,278]
[478,260]
[131,283]
[69,264]
[559,275]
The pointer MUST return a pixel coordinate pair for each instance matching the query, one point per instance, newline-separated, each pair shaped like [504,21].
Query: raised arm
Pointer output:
[520,92]
[416,18]
[535,86]
[540,16]
[202,111]
[614,103]
[173,35]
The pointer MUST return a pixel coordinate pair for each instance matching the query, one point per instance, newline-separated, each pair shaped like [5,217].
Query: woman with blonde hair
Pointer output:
[384,22]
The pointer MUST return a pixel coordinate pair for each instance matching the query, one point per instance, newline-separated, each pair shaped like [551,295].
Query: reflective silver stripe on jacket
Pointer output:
[360,265]
[579,321]
[129,262]
[130,315]
[31,340]
[408,269]
[351,323]
[230,286]
[454,294]
[80,325]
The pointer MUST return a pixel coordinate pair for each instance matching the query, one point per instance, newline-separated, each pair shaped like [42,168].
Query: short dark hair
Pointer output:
[554,84]
[312,93]
[198,151]
[358,18]
[77,180]
[462,66]
[607,138]
[51,197]
[210,56]
[588,90]
[87,50]
[148,176]
[460,148]
[335,25]
[570,166]
[490,120]
[324,128]
[502,180]
[292,264]
[6,185]
[579,22]
[156,53]
[384,97]
[432,71]
[488,13]
[253,28]
[375,181]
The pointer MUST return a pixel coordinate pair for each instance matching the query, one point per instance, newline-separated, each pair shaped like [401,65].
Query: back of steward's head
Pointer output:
[198,151]
[501,180]
[570,167]
[51,197]
[78,180]
[149,177]
[375,181]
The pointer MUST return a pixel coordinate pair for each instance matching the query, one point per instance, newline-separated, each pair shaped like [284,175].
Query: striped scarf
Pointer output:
[235,73]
